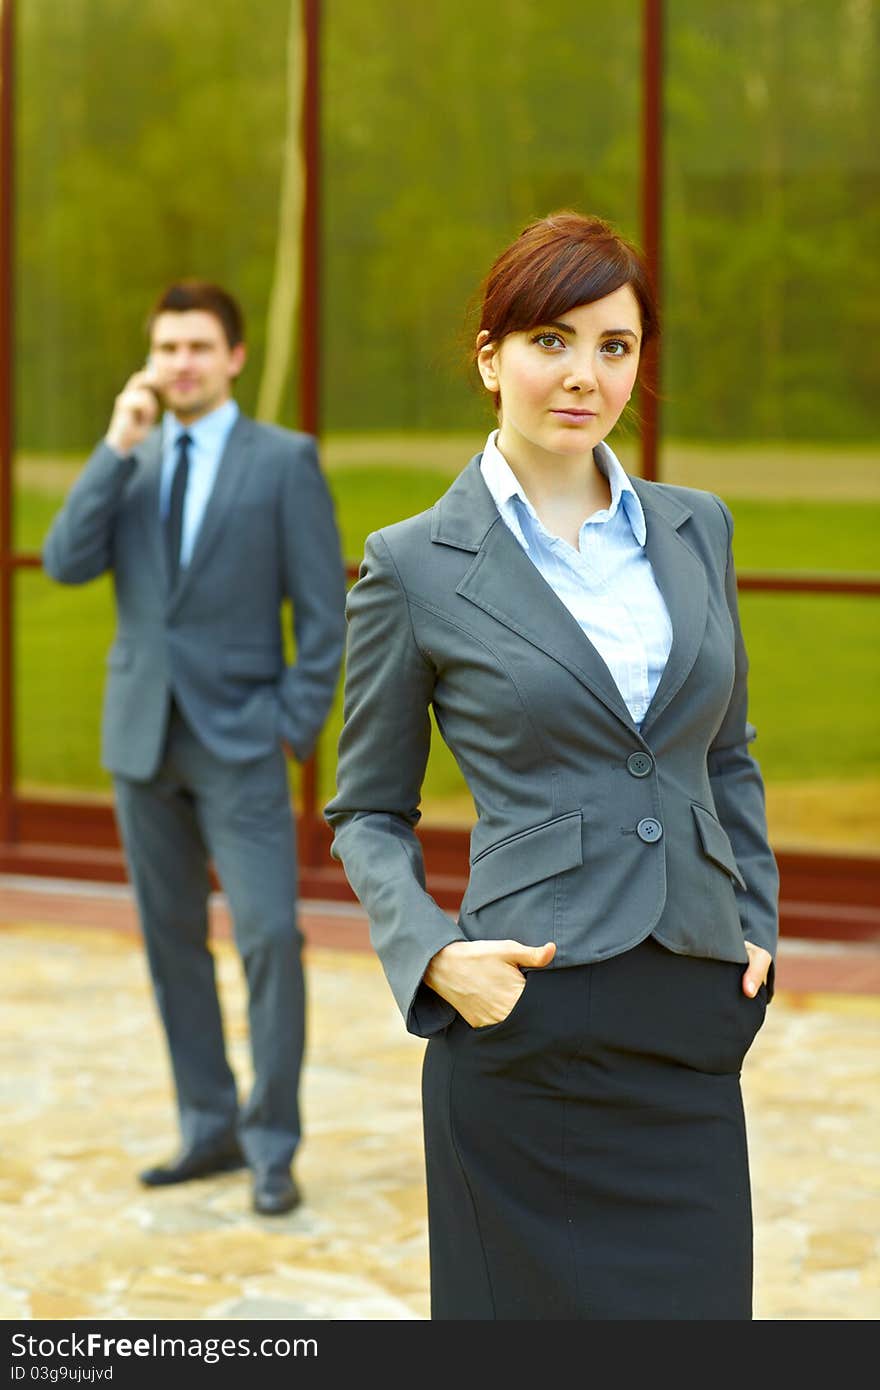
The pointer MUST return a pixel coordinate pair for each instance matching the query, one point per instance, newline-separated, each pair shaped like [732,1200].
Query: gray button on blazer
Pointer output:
[590,832]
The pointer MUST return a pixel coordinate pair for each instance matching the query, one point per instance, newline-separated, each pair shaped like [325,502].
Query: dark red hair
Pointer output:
[557,263]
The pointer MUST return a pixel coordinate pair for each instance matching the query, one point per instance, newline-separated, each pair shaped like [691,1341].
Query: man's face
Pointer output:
[192,362]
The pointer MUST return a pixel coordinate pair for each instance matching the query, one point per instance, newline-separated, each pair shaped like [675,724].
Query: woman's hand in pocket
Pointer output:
[755,974]
[484,979]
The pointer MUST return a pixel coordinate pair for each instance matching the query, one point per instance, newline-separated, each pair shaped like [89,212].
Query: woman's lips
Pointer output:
[577,416]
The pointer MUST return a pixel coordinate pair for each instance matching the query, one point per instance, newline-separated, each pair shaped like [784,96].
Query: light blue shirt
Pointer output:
[607,584]
[209,436]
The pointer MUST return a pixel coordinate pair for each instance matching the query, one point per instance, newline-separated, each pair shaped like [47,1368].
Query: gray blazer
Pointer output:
[590,832]
[215,639]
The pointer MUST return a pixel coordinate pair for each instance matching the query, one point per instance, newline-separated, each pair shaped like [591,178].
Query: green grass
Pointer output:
[367,498]
[34,510]
[810,536]
[815,660]
[814,680]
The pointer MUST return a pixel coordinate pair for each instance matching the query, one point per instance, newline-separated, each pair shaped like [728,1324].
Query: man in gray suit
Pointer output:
[208,522]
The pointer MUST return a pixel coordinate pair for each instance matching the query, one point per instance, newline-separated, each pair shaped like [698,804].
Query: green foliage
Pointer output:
[147,150]
[771,183]
[149,146]
[441,142]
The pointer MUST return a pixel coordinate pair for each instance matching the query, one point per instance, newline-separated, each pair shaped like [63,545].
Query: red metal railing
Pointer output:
[7,223]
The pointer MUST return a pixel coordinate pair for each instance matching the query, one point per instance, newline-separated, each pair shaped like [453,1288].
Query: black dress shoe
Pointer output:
[194,1163]
[275,1192]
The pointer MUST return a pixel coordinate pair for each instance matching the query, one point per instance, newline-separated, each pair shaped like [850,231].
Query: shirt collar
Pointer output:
[208,432]
[504,486]
[623,494]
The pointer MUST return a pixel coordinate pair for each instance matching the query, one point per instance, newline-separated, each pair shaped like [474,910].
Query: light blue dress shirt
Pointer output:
[607,584]
[209,436]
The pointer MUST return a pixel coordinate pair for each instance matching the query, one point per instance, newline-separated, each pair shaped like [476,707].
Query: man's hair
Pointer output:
[201,294]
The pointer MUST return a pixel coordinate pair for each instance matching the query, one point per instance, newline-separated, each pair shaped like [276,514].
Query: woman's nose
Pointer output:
[580,375]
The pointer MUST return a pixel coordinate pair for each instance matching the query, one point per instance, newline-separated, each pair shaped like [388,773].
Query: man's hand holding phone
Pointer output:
[136,410]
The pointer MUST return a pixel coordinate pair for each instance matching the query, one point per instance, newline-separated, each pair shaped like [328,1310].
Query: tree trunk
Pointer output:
[284,296]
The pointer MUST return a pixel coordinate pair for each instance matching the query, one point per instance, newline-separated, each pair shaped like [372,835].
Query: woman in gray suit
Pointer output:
[587,1014]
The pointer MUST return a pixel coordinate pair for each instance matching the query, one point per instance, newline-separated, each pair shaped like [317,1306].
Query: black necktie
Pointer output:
[174,520]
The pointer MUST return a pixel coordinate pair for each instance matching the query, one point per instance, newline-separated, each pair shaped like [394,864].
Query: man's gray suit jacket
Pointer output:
[591,832]
[214,639]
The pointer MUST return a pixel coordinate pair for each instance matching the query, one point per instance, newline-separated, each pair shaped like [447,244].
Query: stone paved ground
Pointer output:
[84,1103]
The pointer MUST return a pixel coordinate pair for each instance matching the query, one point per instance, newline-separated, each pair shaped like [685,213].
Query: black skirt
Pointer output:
[586,1158]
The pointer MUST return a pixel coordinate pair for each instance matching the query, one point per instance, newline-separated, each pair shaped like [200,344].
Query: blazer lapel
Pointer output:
[503,582]
[681,580]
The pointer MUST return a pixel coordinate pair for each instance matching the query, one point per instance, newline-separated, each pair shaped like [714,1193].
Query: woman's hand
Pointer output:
[483,979]
[756,970]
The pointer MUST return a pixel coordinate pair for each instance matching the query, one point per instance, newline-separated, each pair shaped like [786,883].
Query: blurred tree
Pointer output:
[441,141]
[281,315]
[772,300]
[154,142]
[150,142]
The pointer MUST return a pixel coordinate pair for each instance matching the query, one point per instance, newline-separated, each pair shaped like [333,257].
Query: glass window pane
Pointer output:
[770,377]
[61,640]
[439,144]
[147,150]
[813,682]
[771,199]
[42,481]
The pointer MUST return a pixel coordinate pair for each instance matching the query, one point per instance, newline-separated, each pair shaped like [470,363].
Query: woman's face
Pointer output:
[564,384]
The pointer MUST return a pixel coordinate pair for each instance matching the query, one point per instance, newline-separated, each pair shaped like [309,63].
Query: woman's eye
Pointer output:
[616,347]
[548,340]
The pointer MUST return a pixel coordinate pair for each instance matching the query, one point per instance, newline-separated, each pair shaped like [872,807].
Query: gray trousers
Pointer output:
[198,809]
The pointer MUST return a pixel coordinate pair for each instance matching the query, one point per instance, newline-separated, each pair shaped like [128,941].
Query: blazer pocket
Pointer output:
[716,845]
[525,858]
[253,661]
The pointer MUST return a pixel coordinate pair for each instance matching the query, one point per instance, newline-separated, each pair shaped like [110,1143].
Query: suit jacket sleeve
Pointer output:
[79,543]
[738,790]
[314,574]
[383,752]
